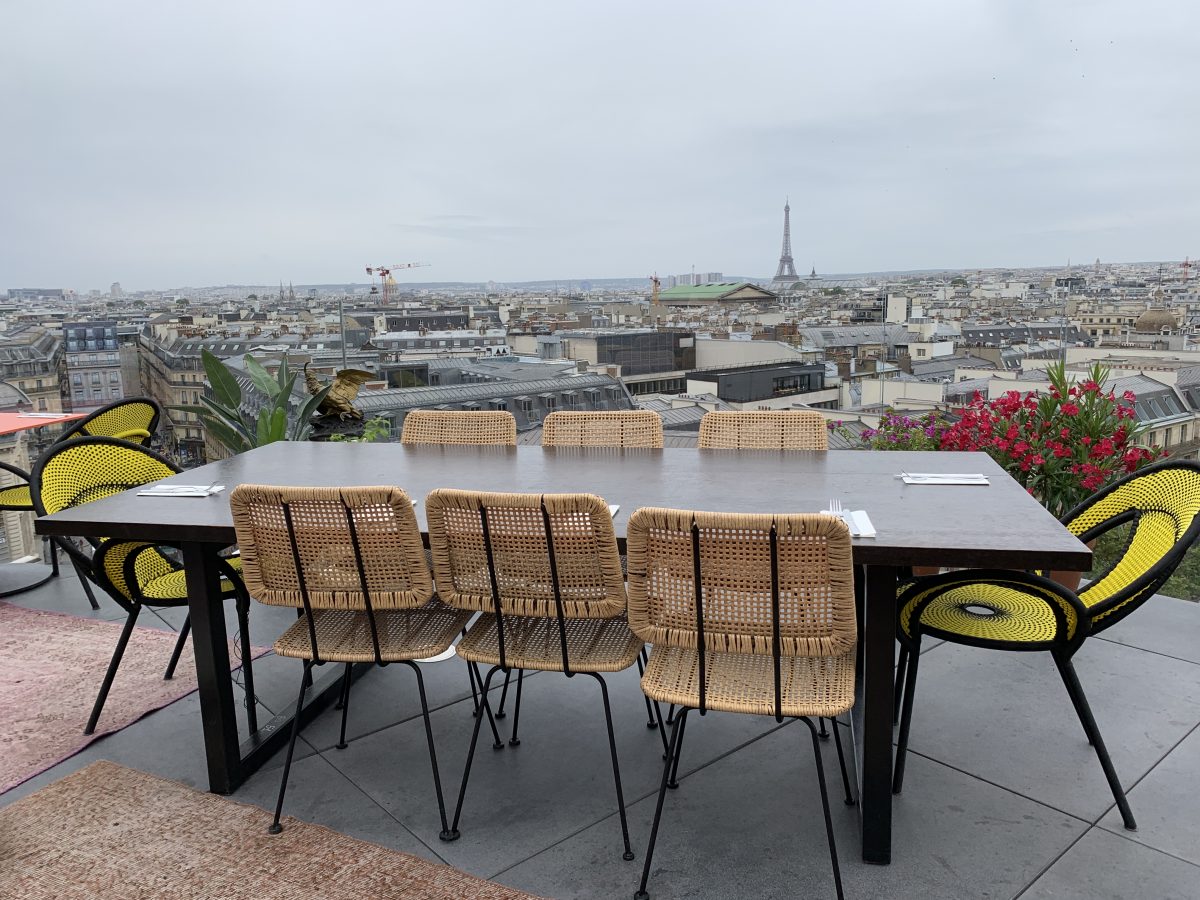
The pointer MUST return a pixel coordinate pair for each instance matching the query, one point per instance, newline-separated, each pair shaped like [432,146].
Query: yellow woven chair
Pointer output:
[544,572]
[435,426]
[1006,610]
[134,420]
[135,574]
[352,561]
[746,614]
[626,428]
[783,429]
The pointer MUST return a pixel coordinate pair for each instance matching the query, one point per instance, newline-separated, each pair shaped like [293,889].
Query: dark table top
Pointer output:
[952,525]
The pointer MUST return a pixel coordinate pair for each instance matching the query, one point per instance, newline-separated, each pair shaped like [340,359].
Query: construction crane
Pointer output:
[655,285]
[386,281]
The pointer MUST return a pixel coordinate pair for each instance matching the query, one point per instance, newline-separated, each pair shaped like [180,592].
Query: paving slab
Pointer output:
[1166,804]
[558,781]
[1104,866]
[750,825]
[1005,717]
[317,792]
[1163,625]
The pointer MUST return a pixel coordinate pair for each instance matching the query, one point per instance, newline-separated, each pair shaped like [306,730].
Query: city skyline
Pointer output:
[225,144]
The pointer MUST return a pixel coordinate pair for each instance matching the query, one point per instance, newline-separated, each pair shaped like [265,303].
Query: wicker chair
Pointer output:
[1007,610]
[767,430]
[352,561]
[627,428]
[747,614]
[544,572]
[135,574]
[132,420]
[435,426]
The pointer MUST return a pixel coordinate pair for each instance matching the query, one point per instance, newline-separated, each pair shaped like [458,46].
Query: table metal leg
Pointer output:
[211,647]
[874,714]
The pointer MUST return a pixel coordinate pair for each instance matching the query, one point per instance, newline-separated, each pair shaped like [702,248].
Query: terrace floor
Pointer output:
[1003,797]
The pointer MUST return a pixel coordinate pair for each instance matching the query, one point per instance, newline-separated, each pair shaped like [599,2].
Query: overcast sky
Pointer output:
[164,144]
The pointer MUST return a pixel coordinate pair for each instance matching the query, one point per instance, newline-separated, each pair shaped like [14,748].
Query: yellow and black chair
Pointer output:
[1009,610]
[134,419]
[134,573]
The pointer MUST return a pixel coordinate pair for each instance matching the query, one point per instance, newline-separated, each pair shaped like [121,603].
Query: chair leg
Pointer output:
[453,832]
[106,684]
[612,749]
[641,664]
[901,670]
[673,784]
[497,744]
[837,742]
[446,834]
[243,612]
[178,651]
[474,692]
[344,703]
[662,795]
[87,585]
[275,827]
[515,741]
[822,733]
[910,689]
[53,548]
[1067,670]
[500,713]
[833,858]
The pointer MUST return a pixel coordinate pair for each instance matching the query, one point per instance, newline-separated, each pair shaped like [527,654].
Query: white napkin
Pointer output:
[181,490]
[613,509]
[856,520]
[943,478]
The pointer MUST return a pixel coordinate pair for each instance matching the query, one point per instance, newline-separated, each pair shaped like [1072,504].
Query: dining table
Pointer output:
[18,577]
[993,522]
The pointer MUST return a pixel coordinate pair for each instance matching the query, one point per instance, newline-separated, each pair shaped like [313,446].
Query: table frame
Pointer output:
[917,525]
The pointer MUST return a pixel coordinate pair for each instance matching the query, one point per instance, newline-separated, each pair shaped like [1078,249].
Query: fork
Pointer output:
[835,506]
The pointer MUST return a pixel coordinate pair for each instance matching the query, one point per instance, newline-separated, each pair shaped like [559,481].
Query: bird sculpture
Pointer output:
[340,399]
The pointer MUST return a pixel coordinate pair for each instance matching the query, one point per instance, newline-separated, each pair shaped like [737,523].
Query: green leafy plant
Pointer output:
[373,430]
[222,413]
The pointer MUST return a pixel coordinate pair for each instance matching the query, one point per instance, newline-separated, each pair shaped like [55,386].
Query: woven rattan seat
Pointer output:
[351,561]
[435,426]
[544,570]
[345,635]
[782,429]
[16,498]
[743,682]
[135,574]
[1023,611]
[746,613]
[625,428]
[593,645]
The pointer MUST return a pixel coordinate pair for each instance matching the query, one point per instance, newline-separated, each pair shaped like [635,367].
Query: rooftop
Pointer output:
[1002,798]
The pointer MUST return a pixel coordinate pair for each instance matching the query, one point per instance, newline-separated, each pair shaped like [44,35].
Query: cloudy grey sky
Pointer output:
[166,144]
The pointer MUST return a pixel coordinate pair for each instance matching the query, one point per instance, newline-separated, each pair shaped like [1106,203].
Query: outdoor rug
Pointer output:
[51,666]
[112,832]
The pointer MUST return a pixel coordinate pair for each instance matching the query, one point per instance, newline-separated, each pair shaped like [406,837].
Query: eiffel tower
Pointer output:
[785,275]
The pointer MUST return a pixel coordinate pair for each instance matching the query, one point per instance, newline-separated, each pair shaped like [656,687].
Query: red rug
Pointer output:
[51,666]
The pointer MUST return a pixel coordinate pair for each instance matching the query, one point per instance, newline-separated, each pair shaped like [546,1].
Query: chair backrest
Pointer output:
[1161,503]
[783,429]
[626,428]
[742,582]
[330,548]
[79,471]
[435,426]
[134,419]
[525,554]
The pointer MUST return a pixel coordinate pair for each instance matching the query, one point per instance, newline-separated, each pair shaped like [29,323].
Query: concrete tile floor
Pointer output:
[1003,797]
